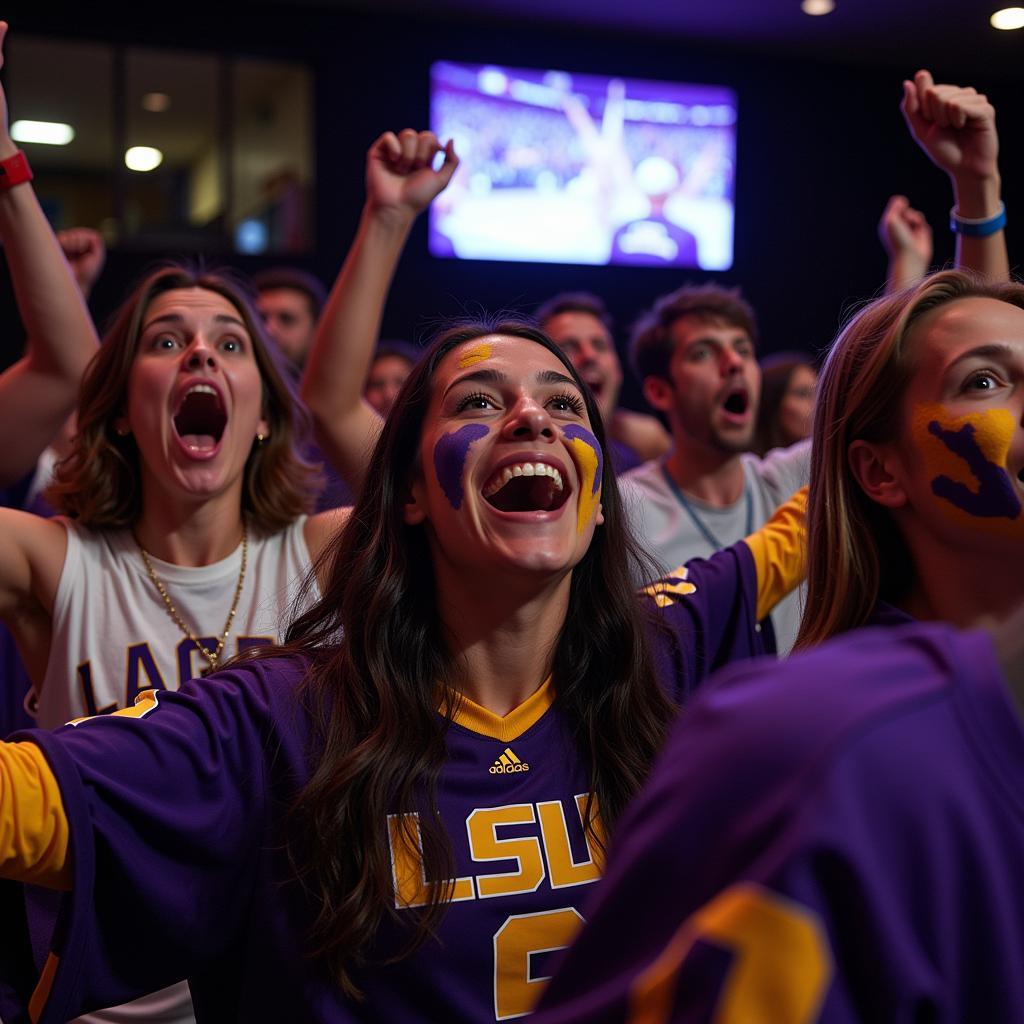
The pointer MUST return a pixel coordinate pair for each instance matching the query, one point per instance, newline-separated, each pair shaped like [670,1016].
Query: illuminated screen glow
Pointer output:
[566,168]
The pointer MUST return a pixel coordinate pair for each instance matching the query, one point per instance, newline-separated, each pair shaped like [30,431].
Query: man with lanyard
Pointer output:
[695,352]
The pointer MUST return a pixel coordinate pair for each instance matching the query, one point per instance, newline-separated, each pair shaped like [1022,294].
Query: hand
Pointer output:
[956,127]
[85,252]
[905,231]
[400,178]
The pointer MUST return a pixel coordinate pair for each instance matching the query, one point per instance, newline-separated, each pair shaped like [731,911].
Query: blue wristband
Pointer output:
[978,227]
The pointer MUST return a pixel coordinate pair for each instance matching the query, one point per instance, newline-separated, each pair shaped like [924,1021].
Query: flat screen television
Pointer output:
[566,168]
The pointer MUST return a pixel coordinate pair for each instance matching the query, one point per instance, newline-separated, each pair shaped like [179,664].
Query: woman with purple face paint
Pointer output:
[401,824]
[915,508]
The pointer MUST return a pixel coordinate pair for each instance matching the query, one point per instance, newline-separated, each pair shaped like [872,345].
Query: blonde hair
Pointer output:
[99,482]
[856,554]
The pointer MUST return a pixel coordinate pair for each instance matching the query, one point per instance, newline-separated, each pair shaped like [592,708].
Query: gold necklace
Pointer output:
[211,656]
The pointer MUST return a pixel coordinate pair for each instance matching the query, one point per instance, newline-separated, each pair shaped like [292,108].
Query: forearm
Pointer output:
[33,826]
[978,198]
[61,335]
[39,392]
[346,338]
[905,270]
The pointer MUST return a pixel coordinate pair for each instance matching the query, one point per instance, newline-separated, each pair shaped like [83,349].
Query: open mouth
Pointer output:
[200,419]
[526,487]
[736,403]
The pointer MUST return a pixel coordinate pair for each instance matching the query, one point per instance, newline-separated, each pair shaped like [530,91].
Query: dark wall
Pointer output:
[821,147]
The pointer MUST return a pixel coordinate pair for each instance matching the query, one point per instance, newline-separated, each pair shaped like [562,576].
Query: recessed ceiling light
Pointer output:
[816,7]
[48,133]
[143,158]
[156,102]
[1008,18]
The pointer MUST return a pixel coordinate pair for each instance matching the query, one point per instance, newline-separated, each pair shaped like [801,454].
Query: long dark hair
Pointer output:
[374,695]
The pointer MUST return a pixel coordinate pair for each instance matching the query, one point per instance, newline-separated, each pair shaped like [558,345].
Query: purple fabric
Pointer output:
[178,824]
[873,787]
[623,458]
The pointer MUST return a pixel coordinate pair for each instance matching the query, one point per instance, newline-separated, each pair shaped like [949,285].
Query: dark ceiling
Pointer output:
[952,35]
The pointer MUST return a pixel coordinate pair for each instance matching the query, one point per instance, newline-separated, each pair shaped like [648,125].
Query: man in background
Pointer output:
[695,351]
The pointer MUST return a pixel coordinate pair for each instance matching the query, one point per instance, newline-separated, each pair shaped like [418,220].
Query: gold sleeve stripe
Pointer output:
[33,825]
[780,552]
[44,987]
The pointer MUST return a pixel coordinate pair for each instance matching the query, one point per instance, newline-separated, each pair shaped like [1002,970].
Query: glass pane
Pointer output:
[173,105]
[73,181]
[272,157]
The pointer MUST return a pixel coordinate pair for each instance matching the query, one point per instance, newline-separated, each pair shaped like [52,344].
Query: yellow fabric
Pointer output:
[780,552]
[43,988]
[510,727]
[33,825]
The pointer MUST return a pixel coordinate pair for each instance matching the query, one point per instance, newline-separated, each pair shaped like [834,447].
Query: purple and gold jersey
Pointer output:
[835,838]
[179,860]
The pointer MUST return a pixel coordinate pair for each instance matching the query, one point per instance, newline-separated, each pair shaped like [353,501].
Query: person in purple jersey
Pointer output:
[833,838]
[397,817]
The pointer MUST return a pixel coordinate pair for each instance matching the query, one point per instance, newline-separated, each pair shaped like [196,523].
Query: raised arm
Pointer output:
[39,391]
[400,184]
[906,237]
[956,127]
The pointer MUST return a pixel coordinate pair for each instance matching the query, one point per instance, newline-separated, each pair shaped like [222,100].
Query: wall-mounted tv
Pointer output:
[567,168]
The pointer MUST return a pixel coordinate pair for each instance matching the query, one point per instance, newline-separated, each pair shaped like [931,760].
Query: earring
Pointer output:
[260,438]
[122,431]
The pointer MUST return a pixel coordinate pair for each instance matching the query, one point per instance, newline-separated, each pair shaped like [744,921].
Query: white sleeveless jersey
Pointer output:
[113,636]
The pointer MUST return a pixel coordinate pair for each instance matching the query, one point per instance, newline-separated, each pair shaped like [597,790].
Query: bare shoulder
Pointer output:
[32,552]
[321,529]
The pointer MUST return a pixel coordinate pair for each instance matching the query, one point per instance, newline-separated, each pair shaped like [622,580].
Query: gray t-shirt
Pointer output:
[671,534]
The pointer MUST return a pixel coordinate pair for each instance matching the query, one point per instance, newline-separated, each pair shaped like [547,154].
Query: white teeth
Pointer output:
[523,469]
[201,389]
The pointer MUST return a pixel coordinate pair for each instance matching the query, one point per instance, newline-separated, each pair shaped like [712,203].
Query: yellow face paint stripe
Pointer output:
[475,355]
[586,459]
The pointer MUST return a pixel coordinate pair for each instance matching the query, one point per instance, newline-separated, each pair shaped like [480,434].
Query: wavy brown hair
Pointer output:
[776,375]
[856,554]
[374,697]
[99,481]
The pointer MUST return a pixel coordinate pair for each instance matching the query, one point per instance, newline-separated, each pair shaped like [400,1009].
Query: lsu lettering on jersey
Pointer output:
[179,861]
[834,838]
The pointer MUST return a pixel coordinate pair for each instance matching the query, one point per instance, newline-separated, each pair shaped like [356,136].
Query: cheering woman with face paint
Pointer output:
[398,816]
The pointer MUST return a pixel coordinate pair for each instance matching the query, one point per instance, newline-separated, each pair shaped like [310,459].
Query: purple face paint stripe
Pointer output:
[450,458]
[996,497]
[575,433]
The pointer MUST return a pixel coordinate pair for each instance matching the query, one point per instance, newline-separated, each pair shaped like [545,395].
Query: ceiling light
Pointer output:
[143,158]
[156,102]
[1008,18]
[816,7]
[49,133]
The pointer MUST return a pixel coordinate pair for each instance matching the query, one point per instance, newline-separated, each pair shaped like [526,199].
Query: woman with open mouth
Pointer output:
[398,814]
[184,539]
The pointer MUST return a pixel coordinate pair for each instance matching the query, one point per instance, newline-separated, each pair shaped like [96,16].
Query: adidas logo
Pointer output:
[508,763]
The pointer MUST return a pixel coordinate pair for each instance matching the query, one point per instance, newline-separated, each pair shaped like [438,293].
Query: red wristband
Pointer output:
[14,170]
